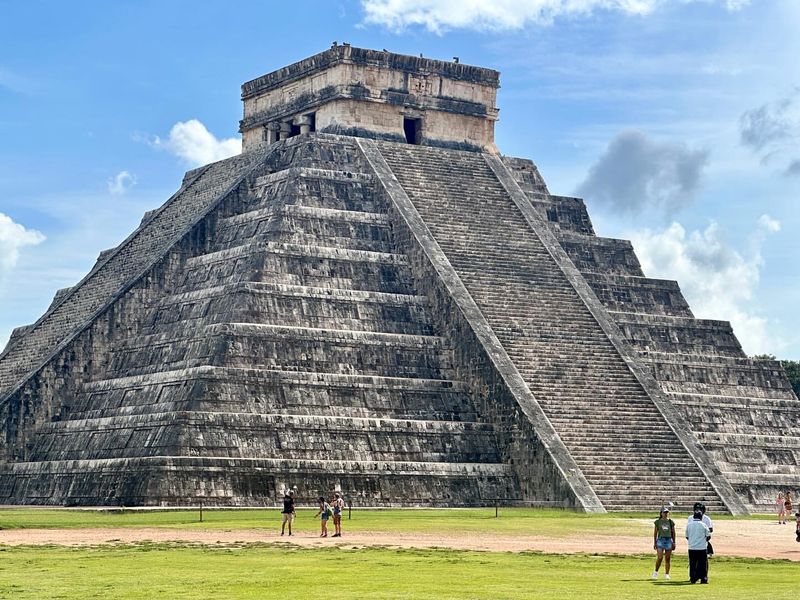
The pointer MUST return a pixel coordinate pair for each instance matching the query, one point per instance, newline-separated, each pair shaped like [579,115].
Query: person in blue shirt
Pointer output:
[698,536]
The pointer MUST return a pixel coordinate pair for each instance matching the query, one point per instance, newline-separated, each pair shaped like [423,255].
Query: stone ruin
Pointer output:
[370,298]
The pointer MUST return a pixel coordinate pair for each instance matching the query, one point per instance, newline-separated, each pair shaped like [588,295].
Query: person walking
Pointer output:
[663,541]
[288,513]
[338,508]
[787,505]
[781,507]
[698,536]
[324,514]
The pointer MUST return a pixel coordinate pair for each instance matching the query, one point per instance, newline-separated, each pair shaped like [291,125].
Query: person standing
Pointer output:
[338,508]
[698,536]
[288,512]
[781,507]
[663,541]
[707,520]
[787,505]
[797,526]
[324,514]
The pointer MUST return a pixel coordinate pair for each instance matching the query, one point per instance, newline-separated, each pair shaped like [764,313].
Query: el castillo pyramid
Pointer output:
[371,298]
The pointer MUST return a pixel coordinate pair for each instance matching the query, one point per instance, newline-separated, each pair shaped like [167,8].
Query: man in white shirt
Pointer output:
[708,523]
[697,537]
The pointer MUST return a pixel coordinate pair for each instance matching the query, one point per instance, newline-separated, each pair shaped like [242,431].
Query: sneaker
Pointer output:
[666,576]
[655,574]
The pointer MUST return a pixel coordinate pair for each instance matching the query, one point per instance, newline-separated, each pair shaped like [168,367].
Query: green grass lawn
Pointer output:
[511,521]
[203,572]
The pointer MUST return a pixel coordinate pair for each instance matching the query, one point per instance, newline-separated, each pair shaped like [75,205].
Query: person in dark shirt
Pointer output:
[797,525]
[287,513]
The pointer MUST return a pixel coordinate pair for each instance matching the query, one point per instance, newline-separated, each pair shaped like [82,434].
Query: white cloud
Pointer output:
[637,173]
[768,224]
[121,183]
[13,237]
[718,280]
[192,142]
[497,15]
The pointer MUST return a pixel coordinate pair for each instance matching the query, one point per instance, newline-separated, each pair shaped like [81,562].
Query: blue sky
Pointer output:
[678,121]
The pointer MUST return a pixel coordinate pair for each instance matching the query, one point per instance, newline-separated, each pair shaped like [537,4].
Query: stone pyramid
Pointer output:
[371,299]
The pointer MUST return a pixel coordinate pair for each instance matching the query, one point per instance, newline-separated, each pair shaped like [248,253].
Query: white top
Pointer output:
[706,521]
[697,534]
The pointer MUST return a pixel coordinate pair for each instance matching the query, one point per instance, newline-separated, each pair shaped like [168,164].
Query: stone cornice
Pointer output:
[361,56]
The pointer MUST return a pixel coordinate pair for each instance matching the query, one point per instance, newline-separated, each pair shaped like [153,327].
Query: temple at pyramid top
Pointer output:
[376,94]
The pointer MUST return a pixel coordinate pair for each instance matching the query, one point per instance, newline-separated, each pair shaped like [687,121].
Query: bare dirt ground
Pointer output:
[753,539]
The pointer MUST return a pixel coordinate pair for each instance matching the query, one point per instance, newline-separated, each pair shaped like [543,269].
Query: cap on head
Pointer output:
[665,509]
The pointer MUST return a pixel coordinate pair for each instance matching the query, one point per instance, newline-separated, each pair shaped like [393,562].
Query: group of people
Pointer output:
[327,510]
[699,528]
[783,503]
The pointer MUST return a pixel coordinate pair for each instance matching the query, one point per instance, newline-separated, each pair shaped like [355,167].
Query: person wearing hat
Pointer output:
[708,523]
[698,536]
[663,541]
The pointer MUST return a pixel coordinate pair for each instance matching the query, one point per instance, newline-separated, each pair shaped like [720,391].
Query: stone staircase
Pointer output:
[742,411]
[612,428]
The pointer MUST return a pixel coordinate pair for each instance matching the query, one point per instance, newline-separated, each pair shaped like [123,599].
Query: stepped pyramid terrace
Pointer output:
[372,298]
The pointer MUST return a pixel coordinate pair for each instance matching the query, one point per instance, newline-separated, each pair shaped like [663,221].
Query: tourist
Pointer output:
[787,505]
[781,507]
[663,541]
[338,507]
[797,526]
[288,513]
[324,514]
[699,506]
[698,536]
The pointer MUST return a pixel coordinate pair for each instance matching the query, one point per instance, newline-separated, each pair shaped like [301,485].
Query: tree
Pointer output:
[792,368]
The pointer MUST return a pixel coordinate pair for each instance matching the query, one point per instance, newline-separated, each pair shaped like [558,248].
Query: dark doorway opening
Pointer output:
[295,130]
[413,130]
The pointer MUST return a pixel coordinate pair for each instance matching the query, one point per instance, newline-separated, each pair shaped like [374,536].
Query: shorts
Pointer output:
[288,518]
[663,543]
[323,518]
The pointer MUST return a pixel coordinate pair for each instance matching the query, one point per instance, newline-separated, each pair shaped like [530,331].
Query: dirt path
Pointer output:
[755,539]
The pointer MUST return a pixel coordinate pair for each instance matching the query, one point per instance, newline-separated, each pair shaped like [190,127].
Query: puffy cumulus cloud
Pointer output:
[718,280]
[497,15]
[768,224]
[13,237]
[637,173]
[121,183]
[196,145]
[772,131]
